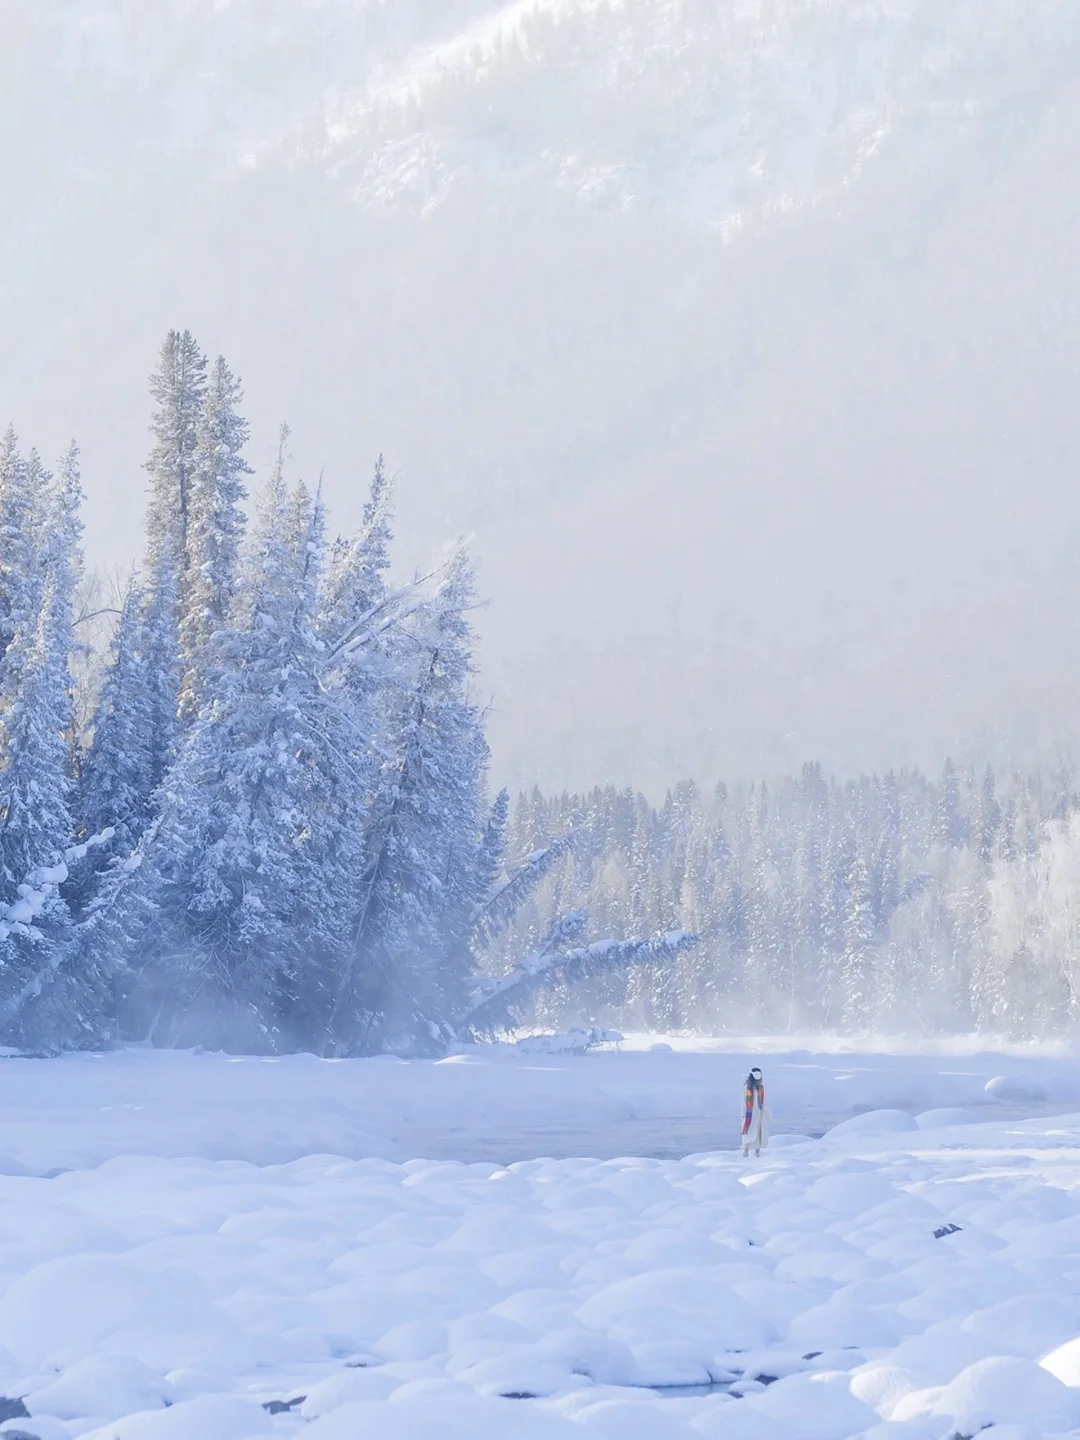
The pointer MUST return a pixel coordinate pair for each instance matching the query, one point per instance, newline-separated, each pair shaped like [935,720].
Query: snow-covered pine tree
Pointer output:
[46,1001]
[367,646]
[22,497]
[700,880]
[631,988]
[122,766]
[215,525]
[25,502]
[764,913]
[410,957]
[178,387]
[355,583]
[236,912]
[856,970]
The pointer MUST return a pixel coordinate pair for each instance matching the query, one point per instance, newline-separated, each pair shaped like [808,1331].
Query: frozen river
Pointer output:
[662,1137]
[492,1103]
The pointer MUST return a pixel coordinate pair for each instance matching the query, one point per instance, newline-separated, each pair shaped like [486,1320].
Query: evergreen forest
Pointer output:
[261,818]
[261,821]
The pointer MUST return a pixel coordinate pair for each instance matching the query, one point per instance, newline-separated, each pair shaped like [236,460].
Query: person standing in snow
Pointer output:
[755,1129]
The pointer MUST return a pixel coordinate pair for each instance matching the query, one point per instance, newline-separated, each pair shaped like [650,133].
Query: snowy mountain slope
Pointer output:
[706,110]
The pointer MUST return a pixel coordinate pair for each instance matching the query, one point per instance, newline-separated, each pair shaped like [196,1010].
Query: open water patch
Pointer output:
[690,1392]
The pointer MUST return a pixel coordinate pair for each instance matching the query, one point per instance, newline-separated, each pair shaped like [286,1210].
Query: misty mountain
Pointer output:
[742,335]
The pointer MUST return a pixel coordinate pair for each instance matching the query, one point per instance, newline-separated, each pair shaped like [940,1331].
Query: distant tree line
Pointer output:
[273,831]
[901,903]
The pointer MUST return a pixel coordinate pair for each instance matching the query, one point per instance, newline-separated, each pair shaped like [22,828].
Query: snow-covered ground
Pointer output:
[220,1234]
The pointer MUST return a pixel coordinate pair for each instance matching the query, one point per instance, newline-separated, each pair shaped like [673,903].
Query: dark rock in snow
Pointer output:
[283,1407]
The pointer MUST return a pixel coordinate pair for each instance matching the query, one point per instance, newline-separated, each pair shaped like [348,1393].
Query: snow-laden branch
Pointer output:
[42,885]
[501,907]
[406,600]
[495,999]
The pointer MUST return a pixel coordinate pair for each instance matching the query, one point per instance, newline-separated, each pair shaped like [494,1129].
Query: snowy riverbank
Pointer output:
[899,1277]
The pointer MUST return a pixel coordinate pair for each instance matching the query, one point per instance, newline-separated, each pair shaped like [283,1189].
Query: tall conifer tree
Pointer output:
[214,527]
[40,1001]
[178,387]
[23,486]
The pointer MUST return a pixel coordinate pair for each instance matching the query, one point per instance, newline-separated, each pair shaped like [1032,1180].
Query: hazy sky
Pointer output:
[743,338]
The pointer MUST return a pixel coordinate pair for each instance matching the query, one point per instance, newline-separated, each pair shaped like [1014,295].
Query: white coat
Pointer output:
[758,1134]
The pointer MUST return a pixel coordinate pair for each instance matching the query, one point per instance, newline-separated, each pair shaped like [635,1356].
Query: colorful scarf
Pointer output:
[753,1083]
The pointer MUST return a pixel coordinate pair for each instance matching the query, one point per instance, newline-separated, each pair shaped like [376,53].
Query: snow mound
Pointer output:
[109,1386]
[210,1417]
[850,1193]
[945,1117]
[633,1420]
[1001,1390]
[841,1325]
[1064,1362]
[785,1142]
[802,1407]
[677,1304]
[1030,1325]
[1014,1088]
[876,1122]
[345,1387]
[883,1386]
[163,1318]
[450,1416]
